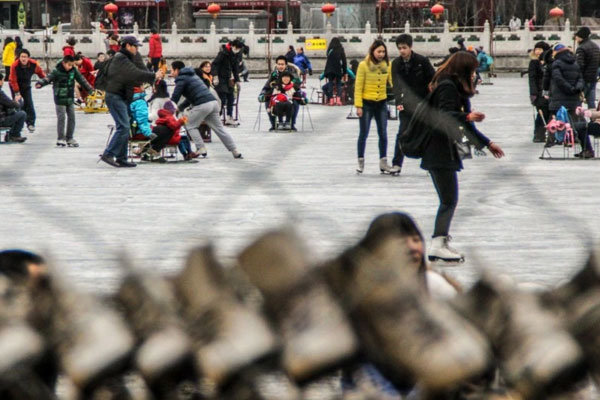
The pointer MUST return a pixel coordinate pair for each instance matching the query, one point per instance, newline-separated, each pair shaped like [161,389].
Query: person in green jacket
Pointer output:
[63,79]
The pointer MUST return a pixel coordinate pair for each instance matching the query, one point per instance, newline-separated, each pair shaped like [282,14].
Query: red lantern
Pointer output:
[556,12]
[111,8]
[214,10]
[437,10]
[328,9]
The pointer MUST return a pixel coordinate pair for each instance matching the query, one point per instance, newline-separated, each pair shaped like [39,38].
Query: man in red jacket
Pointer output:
[155,53]
[21,72]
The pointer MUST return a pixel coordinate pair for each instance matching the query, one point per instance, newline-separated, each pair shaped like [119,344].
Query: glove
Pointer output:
[153,136]
[215,81]
[533,98]
[261,98]
[184,119]
[310,71]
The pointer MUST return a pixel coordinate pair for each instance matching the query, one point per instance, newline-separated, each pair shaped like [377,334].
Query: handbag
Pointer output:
[463,147]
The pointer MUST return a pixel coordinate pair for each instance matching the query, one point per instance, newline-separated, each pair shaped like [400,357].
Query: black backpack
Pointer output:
[416,136]
[102,75]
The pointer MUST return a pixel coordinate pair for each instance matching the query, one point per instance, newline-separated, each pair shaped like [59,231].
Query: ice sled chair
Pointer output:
[561,132]
[303,108]
[94,103]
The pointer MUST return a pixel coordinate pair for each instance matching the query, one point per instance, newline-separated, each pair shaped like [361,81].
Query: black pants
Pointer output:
[227,101]
[164,135]
[155,61]
[295,110]
[445,182]
[15,121]
[404,118]
[539,132]
[284,109]
[28,105]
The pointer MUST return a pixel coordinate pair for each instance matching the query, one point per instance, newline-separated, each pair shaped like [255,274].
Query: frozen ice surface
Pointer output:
[532,219]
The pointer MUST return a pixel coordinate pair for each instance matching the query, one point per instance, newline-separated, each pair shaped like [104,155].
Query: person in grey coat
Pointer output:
[588,58]
[204,107]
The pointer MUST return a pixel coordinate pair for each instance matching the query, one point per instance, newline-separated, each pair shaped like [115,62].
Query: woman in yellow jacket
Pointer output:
[8,55]
[370,100]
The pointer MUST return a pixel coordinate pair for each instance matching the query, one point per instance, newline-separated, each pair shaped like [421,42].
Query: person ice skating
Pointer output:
[536,91]
[226,76]
[204,107]
[411,74]
[155,52]
[69,48]
[452,87]
[20,82]
[63,79]
[335,71]
[370,100]
[281,103]
[566,83]
[124,72]
[281,66]
[8,56]
[588,59]
[11,116]
[302,62]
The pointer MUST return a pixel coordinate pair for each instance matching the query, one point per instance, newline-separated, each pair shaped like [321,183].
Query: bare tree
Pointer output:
[181,12]
[80,14]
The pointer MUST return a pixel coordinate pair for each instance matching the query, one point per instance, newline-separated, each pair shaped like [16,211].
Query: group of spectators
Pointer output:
[560,78]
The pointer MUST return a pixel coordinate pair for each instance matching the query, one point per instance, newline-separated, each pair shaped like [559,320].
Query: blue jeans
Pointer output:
[119,111]
[589,91]
[377,110]
[333,81]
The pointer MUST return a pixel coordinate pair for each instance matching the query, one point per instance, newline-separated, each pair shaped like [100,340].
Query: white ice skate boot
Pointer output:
[361,165]
[229,121]
[384,167]
[395,170]
[441,250]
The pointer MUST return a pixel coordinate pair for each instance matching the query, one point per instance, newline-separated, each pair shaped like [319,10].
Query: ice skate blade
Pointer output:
[447,260]
[389,173]
[359,172]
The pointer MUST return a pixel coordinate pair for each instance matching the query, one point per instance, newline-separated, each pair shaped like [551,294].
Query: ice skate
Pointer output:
[227,335]
[536,354]
[316,336]
[395,170]
[384,167]
[229,121]
[61,143]
[403,331]
[441,251]
[361,165]
[236,154]
[202,151]
[72,143]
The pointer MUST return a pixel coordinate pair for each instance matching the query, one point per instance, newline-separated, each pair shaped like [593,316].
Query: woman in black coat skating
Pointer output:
[335,70]
[452,117]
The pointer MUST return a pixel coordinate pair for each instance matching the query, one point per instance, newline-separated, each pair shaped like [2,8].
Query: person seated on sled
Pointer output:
[11,116]
[166,117]
[284,97]
[281,66]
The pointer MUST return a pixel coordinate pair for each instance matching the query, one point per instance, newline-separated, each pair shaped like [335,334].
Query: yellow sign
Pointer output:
[316,44]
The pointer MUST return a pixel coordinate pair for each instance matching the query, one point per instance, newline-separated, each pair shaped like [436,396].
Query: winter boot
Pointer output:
[384,167]
[404,332]
[236,154]
[361,165]
[537,356]
[227,335]
[164,348]
[316,337]
[338,101]
[441,250]
[332,101]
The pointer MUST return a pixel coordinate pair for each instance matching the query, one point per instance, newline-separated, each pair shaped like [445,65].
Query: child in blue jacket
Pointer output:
[139,112]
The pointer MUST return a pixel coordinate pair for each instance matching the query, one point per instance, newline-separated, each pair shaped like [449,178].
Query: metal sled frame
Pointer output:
[305,109]
[566,149]
[236,109]
[95,103]
[170,151]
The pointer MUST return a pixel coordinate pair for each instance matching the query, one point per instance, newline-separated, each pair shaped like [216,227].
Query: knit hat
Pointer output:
[583,32]
[542,45]
[558,47]
[170,107]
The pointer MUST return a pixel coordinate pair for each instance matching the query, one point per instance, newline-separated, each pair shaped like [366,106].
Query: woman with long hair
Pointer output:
[452,87]
[335,71]
[370,100]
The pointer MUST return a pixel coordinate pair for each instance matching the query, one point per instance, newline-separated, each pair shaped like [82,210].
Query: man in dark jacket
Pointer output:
[588,58]
[281,66]
[21,72]
[567,81]
[225,72]
[536,95]
[125,71]
[11,116]
[204,107]
[411,74]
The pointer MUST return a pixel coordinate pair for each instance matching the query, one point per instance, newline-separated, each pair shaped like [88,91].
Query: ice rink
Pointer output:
[532,219]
